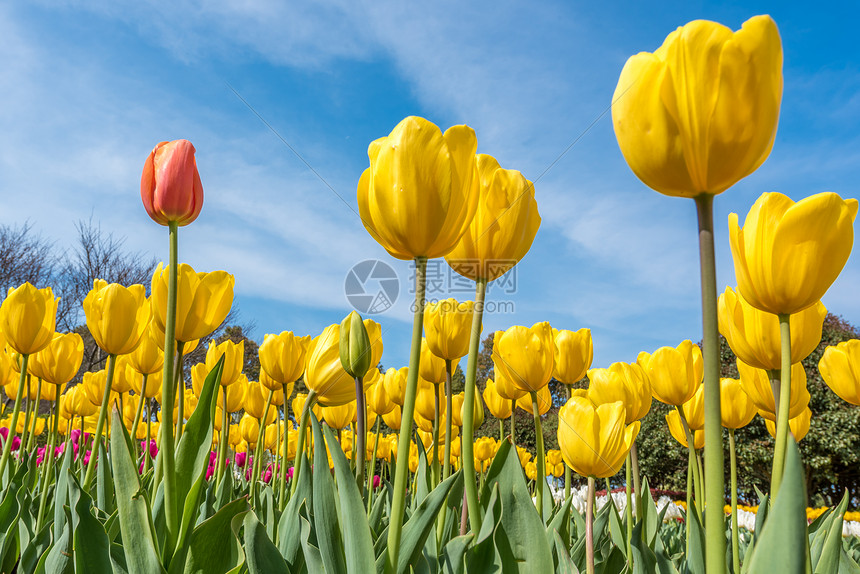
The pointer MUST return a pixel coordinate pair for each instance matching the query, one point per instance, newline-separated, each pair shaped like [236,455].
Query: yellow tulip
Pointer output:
[28,318]
[339,417]
[395,384]
[298,406]
[148,357]
[754,337]
[255,401]
[574,352]
[425,402]
[249,427]
[153,384]
[78,402]
[431,368]
[554,463]
[700,113]
[448,325]
[525,355]
[544,401]
[325,374]
[757,385]
[594,440]
[378,401]
[788,254]
[418,196]
[799,425]
[6,369]
[59,362]
[234,359]
[157,334]
[457,409]
[840,368]
[374,334]
[283,356]
[504,227]
[124,375]
[117,316]
[504,386]
[621,382]
[483,449]
[94,387]
[202,300]
[499,407]
[676,428]
[675,373]
[694,410]
[392,420]
[736,408]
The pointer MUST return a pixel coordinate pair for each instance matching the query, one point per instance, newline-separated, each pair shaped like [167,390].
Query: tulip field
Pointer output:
[329,463]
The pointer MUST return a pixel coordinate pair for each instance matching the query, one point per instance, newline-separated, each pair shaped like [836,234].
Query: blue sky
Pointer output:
[89,87]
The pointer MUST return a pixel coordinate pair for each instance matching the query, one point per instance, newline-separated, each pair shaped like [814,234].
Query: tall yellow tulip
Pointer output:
[544,401]
[621,382]
[148,357]
[694,410]
[758,386]
[753,335]
[432,367]
[594,440]
[203,300]
[574,352]
[676,429]
[799,425]
[447,324]
[499,407]
[325,374]
[737,409]
[525,355]
[418,195]
[700,113]
[117,316]
[788,254]
[340,416]
[60,361]
[675,373]
[840,368]
[28,318]
[395,384]
[504,227]
[234,359]
[283,356]
[378,400]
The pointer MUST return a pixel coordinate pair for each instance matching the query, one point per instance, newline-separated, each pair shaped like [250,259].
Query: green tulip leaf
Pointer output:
[92,547]
[261,555]
[289,527]
[325,517]
[214,547]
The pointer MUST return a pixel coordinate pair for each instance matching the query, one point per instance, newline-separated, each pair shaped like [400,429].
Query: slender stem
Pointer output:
[398,502]
[372,470]
[48,460]
[179,385]
[637,479]
[513,424]
[589,527]
[501,430]
[33,422]
[300,446]
[285,447]
[91,467]
[715,538]
[257,469]
[147,457]
[225,437]
[361,431]
[464,515]
[629,511]
[782,427]
[736,552]
[13,425]
[691,462]
[137,416]
[449,421]
[569,390]
[167,451]
[541,457]
[436,468]
[467,442]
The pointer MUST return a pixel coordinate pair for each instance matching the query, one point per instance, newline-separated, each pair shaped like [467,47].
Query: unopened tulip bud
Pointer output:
[355,353]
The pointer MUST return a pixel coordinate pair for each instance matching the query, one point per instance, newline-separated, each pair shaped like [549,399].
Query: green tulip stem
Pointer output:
[81,449]
[137,416]
[714,487]
[372,469]
[637,478]
[147,457]
[569,390]
[736,553]
[48,460]
[436,469]
[285,447]
[34,420]
[540,479]
[300,446]
[501,430]
[26,426]
[398,502]
[774,376]
[97,438]
[467,442]
[513,423]
[257,469]
[360,432]
[179,385]
[589,527]
[167,451]
[628,477]
[449,421]
[782,427]
[224,438]
[692,464]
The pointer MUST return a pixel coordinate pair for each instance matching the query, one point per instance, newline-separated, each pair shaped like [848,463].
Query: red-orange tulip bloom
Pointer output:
[170,186]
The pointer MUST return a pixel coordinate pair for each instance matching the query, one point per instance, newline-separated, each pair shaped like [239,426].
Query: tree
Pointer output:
[24,257]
